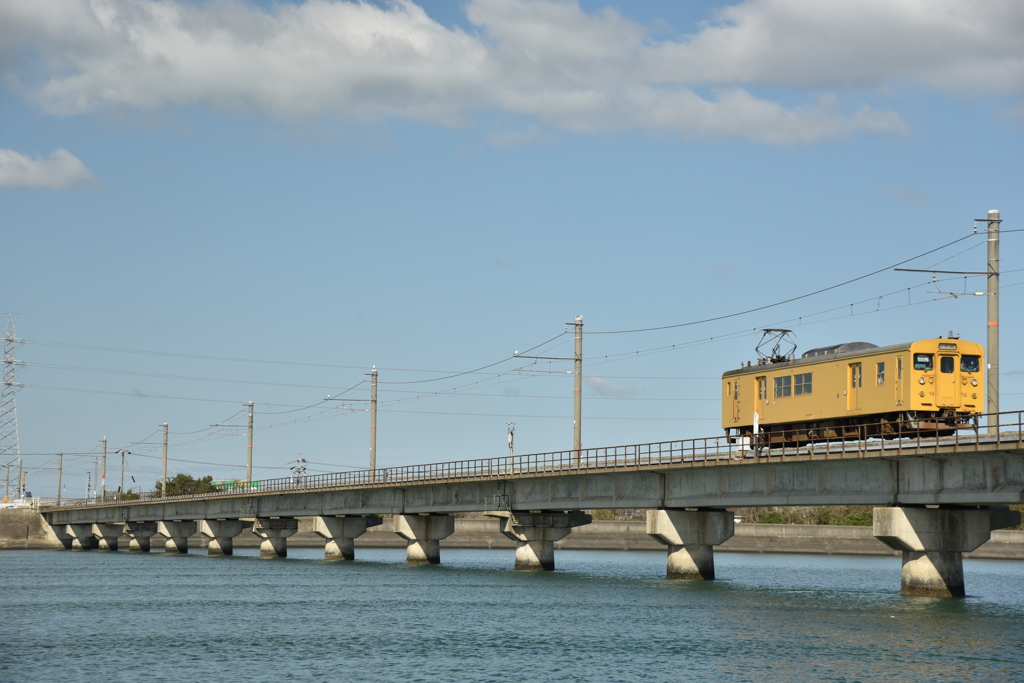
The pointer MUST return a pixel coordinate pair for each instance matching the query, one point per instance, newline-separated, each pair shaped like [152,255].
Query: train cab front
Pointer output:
[946,384]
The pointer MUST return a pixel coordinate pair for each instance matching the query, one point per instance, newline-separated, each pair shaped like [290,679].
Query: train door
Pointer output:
[853,393]
[947,381]
[736,401]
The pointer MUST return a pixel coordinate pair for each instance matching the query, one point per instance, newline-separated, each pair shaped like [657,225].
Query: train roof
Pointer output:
[824,353]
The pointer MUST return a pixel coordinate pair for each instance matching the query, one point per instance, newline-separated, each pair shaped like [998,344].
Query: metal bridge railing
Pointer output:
[701,452]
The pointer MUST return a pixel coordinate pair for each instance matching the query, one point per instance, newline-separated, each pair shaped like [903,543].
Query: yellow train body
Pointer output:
[856,390]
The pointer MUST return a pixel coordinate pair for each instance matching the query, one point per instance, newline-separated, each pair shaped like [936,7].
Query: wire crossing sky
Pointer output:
[208,203]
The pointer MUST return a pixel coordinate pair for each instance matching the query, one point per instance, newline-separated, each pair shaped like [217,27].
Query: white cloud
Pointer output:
[61,170]
[606,388]
[545,60]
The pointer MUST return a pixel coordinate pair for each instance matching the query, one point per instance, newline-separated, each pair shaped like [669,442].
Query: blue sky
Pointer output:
[326,186]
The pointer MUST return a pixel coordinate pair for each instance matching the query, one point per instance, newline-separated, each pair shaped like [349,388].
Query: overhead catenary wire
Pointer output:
[789,300]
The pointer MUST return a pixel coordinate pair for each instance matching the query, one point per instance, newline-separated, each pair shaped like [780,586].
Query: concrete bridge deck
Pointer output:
[964,469]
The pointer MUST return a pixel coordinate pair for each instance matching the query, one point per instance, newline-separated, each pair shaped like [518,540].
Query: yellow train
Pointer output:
[856,390]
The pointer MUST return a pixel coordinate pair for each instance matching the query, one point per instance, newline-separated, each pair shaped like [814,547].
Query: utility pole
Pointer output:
[120,489]
[248,461]
[373,423]
[511,446]
[103,475]
[60,474]
[7,484]
[577,412]
[21,489]
[993,320]
[163,486]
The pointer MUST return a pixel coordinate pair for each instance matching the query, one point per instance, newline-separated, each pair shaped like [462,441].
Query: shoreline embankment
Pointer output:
[25,529]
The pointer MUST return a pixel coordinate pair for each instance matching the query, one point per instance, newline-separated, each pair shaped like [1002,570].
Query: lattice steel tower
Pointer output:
[9,448]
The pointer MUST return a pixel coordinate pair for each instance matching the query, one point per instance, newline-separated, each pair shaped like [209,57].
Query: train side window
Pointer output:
[802,384]
[783,387]
[946,364]
[923,361]
[970,363]
[899,368]
[880,374]
[728,388]
[762,388]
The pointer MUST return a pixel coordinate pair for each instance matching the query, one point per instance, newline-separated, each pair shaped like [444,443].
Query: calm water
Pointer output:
[604,616]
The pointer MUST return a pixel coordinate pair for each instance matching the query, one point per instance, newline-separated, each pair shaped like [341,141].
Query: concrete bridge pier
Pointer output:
[535,535]
[275,532]
[177,533]
[933,542]
[139,535]
[221,533]
[81,536]
[340,533]
[424,534]
[106,536]
[691,536]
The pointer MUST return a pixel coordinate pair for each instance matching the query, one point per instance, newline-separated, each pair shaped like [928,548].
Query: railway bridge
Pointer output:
[936,498]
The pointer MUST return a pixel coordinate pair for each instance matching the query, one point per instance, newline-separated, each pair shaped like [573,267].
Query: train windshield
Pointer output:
[946,364]
[922,361]
[970,363]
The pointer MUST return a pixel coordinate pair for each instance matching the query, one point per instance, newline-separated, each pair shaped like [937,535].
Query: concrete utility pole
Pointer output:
[373,422]
[993,320]
[163,486]
[103,475]
[60,474]
[248,462]
[577,412]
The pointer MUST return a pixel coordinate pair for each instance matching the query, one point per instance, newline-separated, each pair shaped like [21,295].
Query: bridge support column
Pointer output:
[221,533]
[424,533]
[177,533]
[275,533]
[340,534]
[933,542]
[691,536]
[81,536]
[139,534]
[106,535]
[535,535]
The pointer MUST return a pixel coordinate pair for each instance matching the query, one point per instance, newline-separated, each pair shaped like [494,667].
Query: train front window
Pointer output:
[783,387]
[923,361]
[970,363]
[946,364]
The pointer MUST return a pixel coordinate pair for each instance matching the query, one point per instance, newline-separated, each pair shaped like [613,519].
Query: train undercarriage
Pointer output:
[895,425]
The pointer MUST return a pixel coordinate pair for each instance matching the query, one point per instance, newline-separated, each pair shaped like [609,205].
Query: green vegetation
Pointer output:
[1020,509]
[842,515]
[185,484]
[129,495]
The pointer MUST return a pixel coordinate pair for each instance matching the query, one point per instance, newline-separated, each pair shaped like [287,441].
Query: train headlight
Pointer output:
[921,380]
[974,396]
[974,382]
[921,394]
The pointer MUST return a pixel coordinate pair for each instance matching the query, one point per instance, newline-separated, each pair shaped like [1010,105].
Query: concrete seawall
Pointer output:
[26,529]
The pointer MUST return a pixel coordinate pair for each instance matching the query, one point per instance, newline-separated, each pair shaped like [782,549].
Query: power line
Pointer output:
[790,300]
